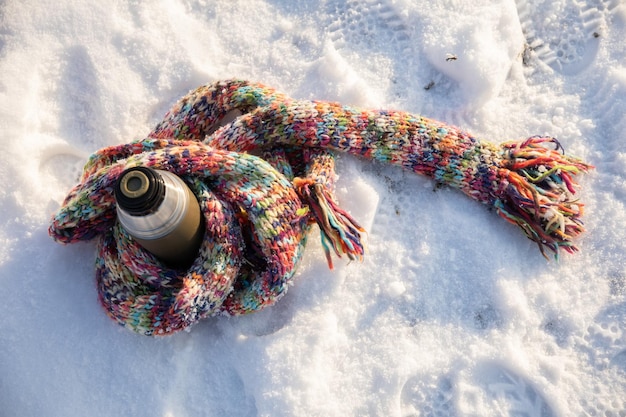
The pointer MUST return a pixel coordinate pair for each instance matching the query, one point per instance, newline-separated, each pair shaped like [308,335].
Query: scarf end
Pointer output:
[539,193]
[339,231]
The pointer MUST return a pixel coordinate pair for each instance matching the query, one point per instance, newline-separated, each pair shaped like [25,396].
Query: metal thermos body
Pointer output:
[161,213]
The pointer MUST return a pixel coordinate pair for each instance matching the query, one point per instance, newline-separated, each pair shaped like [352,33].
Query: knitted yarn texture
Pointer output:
[262,167]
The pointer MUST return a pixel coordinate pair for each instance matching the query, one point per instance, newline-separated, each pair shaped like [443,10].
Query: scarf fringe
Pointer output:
[339,230]
[538,193]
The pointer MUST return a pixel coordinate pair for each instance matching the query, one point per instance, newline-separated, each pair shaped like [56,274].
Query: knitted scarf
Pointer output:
[266,176]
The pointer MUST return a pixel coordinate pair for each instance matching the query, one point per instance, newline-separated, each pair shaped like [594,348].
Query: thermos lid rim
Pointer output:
[139,191]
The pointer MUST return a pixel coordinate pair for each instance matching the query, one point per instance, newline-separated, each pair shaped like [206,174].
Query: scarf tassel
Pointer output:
[539,193]
[338,229]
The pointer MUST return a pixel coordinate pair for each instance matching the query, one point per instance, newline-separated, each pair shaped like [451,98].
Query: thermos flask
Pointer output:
[161,213]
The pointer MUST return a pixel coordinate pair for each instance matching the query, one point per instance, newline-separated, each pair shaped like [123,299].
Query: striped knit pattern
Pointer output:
[258,209]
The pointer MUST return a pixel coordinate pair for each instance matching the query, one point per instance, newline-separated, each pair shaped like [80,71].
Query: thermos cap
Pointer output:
[139,191]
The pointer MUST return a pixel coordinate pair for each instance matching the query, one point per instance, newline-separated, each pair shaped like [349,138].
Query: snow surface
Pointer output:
[453,312]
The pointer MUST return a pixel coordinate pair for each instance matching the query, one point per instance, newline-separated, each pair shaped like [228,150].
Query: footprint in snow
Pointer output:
[494,390]
[60,167]
[489,389]
[606,339]
[82,116]
[605,344]
[566,34]
[428,397]
[370,27]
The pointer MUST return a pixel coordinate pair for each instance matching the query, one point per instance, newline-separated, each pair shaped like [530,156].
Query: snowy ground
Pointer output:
[453,312]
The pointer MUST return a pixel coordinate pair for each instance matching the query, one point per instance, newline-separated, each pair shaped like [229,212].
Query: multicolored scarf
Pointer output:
[266,176]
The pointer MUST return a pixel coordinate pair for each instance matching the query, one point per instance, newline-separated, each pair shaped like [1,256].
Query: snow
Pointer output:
[453,312]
